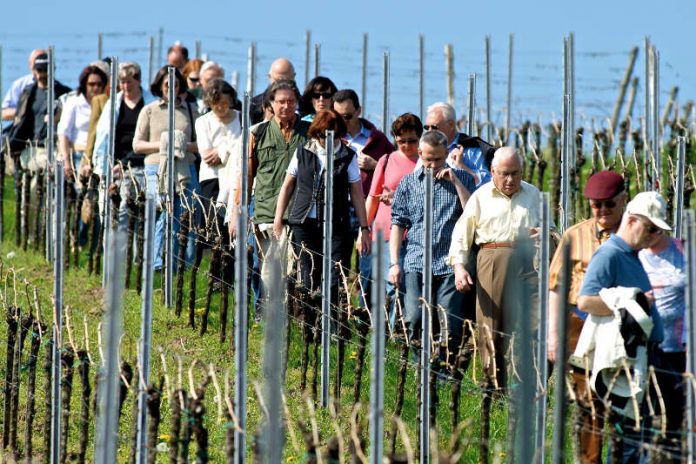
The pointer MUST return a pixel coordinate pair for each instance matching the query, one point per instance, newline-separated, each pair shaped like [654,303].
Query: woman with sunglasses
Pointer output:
[406,130]
[74,121]
[316,97]
[302,196]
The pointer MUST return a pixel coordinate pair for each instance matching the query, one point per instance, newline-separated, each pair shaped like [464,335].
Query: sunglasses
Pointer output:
[429,127]
[194,79]
[406,141]
[95,84]
[609,204]
[324,95]
[347,117]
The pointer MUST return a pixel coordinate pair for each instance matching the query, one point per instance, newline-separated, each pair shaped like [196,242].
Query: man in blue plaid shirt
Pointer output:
[451,189]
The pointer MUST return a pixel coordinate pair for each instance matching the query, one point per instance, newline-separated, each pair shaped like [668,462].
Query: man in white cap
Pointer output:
[616,264]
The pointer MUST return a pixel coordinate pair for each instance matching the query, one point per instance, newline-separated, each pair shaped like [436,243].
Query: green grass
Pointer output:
[84,297]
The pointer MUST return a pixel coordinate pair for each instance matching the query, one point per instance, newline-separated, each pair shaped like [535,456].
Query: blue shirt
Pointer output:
[616,264]
[358,142]
[408,213]
[472,158]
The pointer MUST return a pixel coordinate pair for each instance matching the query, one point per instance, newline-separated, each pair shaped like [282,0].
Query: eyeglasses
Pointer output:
[194,79]
[429,127]
[406,141]
[347,117]
[609,204]
[649,226]
[324,95]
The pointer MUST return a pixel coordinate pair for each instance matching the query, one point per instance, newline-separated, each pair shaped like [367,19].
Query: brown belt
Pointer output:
[497,245]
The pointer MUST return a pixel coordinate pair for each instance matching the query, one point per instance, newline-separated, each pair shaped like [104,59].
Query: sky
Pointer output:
[605,31]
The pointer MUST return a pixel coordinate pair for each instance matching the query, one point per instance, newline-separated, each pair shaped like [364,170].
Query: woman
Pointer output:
[191,73]
[149,141]
[219,140]
[303,191]
[406,130]
[317,97]
[74,121]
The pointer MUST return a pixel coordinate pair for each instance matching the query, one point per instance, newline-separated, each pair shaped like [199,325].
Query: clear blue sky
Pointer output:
[604,32]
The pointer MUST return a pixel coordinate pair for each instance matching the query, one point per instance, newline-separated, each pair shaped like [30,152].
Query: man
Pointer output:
[209,71]
[605,192]
[27,136]
[472,154]
[616,264]
[177,55]
[271,146]
[370,144]
[281,69]
[9,103]
[451,189]
[495,217]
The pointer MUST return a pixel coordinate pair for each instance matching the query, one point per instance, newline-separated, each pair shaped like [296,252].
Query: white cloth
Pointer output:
[74,120]
[18,85]
[227,138]
[601,341]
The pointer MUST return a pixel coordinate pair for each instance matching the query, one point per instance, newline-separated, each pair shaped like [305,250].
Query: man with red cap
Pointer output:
[607,196]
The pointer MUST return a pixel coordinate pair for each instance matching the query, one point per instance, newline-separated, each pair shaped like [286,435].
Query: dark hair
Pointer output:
[407,122]
[317,84]
[347,94]
[327,120]
[156,85]
[84,77]
[184,50]
[282,84]
[214,91]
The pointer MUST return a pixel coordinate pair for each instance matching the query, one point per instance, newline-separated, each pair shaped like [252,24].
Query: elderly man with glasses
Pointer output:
[616,264]
[607,196]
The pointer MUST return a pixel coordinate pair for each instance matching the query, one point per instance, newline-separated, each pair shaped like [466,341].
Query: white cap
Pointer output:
[652,206]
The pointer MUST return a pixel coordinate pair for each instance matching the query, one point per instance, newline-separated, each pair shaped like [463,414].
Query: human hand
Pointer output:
[387,196]
[457,155]
[212,158]
[462,280]
[446,174]
[277,228]
[394,274]
[551,345]
[366,162]
[364,244]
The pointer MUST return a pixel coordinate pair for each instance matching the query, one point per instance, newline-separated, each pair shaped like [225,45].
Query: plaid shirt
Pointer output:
[408,213]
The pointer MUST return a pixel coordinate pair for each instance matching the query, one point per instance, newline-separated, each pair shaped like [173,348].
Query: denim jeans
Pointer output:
[444,294]
[151,170]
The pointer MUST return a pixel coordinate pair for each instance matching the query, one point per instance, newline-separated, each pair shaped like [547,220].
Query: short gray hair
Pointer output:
[212,65]
[447,110]
[434,139]
[504,153]
[129,69]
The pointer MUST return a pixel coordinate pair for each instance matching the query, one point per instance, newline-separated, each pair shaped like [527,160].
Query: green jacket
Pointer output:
[273,154]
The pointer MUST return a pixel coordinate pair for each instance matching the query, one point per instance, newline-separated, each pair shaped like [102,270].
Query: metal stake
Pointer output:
[421,76]
[508,111]
[151,59]
[449,67]
[648,110]
[251,68]
[100,46]
[169,226]
[679,190]
[489,129]
[241,305]
[377,371]
[50,147]
[198,49]
[655,120]
[274,344]
[542,328]
[385,93]
[146,323]
[425,318]
[566,135]
[561,408]
[108,174]
[327,270]
[160,47]
[690,252]
[363,91]
[58,266]
[472,104]
[317,58]
[107,415]
[308,48]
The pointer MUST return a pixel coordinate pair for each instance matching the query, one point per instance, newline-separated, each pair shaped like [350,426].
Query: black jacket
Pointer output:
[477,142]
[22,130]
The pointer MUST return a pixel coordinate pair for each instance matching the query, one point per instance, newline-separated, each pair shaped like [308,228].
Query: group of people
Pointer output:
[482,210]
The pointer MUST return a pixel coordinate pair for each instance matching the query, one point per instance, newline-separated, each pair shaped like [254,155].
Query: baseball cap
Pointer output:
[652,206]
[41,62]
[604,185]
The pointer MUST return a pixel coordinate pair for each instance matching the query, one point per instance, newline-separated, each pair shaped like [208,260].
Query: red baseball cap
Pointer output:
[604,185]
